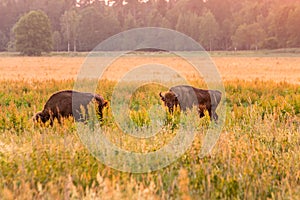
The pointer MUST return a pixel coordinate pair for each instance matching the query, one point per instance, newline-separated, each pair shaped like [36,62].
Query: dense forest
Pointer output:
[79,25]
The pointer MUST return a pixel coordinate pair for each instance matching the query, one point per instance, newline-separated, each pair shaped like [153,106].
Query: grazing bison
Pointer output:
[187,96]
[68,103]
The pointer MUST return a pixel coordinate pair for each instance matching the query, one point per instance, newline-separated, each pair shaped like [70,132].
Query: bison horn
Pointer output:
[162,97]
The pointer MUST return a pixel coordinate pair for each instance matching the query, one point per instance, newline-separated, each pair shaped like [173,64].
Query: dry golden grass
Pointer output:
[262,68]
[256,156]
[39,68]
[231,68]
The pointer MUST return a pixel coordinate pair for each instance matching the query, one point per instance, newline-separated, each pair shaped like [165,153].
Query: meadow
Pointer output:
[256,157]
[274,67]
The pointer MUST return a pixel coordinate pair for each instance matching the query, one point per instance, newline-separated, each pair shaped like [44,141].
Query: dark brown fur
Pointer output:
[69,103]
[187,96]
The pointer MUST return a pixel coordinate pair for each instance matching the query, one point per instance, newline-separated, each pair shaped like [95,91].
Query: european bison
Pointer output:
[187,96]
[69,103]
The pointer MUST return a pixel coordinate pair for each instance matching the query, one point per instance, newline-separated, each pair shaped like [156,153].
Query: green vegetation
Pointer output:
[256,157]
[33,34]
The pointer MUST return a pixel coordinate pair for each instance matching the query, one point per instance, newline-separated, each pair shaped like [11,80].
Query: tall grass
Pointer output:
[256,157]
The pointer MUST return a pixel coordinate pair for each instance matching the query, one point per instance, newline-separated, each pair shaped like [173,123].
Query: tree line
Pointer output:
[79,25]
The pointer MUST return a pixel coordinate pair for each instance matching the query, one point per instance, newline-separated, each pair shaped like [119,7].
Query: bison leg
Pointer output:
[59,119]
[171,110]
[201,114]
[214,116]
[86,117]
[51,121]
[210,114]
[100,113]
[77,115]
[201,110]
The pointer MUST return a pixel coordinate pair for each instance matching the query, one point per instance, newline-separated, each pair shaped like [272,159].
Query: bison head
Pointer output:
[41,117]
[170,99]
[101,105]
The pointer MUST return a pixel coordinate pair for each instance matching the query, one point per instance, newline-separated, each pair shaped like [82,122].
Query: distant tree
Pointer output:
[3,41]
[91,21]
[222,11]
[293,27]
[69,26]
[54,9]
[270,43]
[258,35]
[133,7]
[194,6]
[189,24]
[153,18]
[276,19]
[33,34]
[278,24]
[110,25]
[96,26]
[248,12]
[208,30]
[182,24]
[57,40]
[249,36]
[241,37]
[224,39]
[129,22]
[162,7]
[179,7]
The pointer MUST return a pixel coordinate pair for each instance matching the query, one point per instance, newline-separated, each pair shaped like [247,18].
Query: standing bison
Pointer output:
[187,96]
[69,103]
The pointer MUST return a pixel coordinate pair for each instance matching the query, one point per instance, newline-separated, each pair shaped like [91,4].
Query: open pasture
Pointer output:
[256,157]
[231,68]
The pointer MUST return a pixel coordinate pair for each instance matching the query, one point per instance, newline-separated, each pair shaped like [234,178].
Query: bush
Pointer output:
[33,34]
[270,43]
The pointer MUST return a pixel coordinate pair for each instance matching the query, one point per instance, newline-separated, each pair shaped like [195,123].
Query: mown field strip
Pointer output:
[63,68]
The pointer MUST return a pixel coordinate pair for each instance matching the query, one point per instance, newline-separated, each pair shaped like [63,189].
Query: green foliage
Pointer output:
[33,34]
[246,38]
[140,118]
[3,41]
[57,40]
[225,24]
[256,157]
[101,25]
[270,43]
[184,24]
[292,28]
[69,27]
[209,29]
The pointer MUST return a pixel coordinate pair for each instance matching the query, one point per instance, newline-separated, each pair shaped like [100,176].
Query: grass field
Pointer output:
[256,157]
[231,68]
